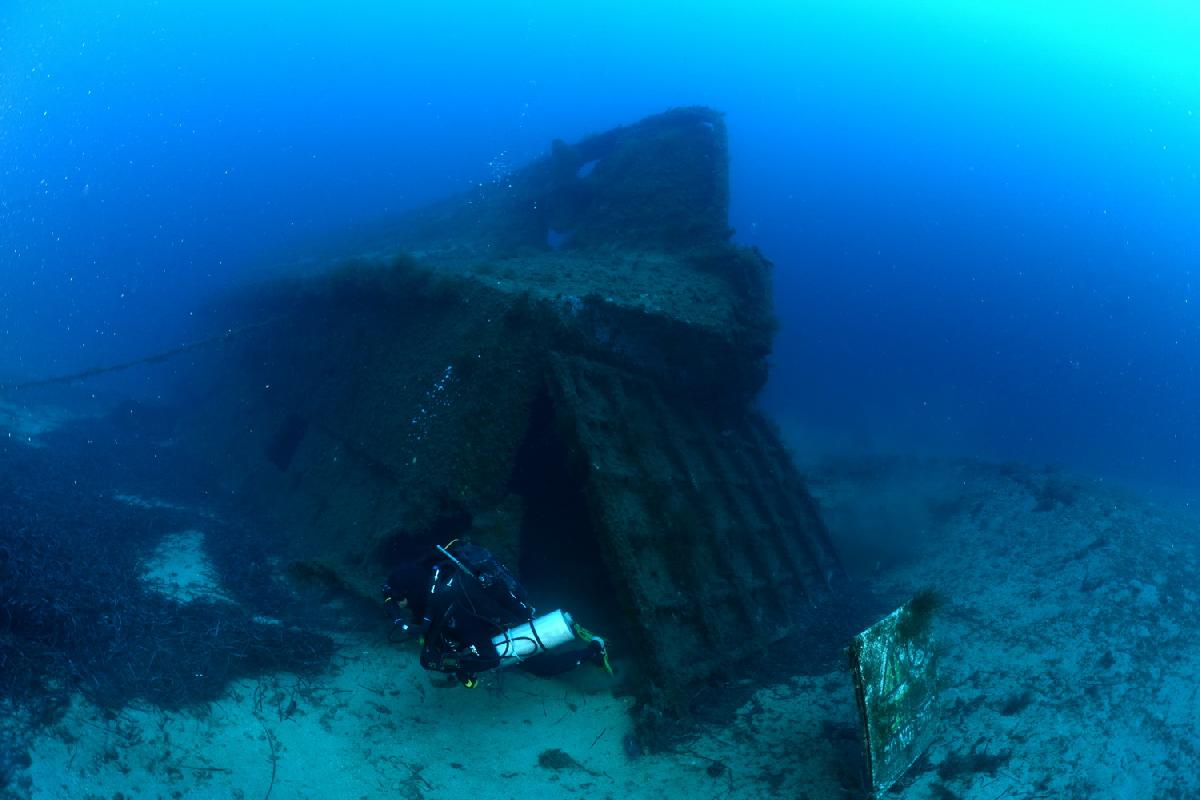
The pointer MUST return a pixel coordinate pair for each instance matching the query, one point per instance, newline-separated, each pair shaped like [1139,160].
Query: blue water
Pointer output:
[983,215]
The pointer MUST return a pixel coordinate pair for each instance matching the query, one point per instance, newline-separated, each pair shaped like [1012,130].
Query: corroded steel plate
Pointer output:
[895,679]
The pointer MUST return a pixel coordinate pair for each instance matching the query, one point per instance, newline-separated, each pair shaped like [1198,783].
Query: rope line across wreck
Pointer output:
[154,358]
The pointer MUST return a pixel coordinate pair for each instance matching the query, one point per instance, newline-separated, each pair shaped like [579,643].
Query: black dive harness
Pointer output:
[471,599]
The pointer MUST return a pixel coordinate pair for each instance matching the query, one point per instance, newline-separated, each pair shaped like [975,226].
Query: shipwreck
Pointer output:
[561,365]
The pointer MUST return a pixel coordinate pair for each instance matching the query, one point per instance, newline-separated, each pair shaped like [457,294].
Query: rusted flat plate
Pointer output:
[895,679]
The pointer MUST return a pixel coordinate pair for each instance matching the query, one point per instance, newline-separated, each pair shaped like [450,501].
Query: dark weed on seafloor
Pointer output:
[77,617]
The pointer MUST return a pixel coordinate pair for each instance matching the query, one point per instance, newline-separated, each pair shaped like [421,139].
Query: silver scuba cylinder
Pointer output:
[536,636]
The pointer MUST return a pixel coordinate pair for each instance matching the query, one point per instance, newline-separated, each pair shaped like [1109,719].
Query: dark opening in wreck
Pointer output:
[559,547]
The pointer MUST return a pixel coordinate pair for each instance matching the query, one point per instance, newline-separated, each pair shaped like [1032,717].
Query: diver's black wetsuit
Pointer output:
[563,659]
[456,637]
[459,607]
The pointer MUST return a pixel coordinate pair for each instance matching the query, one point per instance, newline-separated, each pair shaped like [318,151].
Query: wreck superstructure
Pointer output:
[561,365]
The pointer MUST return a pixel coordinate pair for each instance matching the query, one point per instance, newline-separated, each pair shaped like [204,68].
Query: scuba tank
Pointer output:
[536,636]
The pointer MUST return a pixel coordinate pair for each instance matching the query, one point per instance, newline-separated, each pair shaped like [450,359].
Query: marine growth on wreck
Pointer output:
[563,369]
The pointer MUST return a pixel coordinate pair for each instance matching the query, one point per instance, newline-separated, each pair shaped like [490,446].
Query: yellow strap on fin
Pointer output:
[587,636]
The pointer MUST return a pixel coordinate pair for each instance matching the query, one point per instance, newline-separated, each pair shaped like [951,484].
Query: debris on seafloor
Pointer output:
[558,759]
[894,667]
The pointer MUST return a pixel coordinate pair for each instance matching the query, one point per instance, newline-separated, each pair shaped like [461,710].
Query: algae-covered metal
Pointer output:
[895,679]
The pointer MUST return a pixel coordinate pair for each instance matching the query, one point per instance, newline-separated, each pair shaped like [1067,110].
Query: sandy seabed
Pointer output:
[1069,662]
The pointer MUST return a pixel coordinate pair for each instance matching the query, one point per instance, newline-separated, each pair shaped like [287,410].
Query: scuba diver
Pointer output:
[472,616]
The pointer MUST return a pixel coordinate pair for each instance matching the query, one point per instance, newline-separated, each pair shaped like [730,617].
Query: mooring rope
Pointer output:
[154,358]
